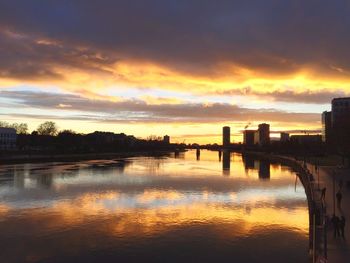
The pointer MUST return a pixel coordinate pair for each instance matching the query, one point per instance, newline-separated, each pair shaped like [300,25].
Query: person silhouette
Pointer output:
[335,223]
[339,197]
[342,226]
[323,194]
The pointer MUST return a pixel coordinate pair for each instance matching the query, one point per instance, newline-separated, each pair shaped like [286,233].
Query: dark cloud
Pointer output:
[140,111]
[191,36]
[24,57]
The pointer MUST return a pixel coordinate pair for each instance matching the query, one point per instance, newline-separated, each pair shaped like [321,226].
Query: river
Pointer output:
[153,209]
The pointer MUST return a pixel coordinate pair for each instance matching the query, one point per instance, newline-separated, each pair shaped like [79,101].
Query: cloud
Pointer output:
[129,111]
[304,96]
[231,40]
[29,58]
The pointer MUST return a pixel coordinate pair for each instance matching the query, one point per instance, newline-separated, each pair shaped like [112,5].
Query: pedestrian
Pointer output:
[342,226]
[323,194]
[340,184]
[335,223]
[339,198]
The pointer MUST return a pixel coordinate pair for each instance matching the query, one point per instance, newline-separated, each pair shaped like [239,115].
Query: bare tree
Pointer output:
[21,128]
[47,128]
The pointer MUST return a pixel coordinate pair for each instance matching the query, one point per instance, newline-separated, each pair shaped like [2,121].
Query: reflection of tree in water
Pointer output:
[153,165]
[109,166]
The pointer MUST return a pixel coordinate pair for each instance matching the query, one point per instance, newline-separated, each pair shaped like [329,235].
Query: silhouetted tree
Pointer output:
[47,128]
[21,128]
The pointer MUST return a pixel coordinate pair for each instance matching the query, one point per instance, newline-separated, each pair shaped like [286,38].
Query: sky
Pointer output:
[182,68]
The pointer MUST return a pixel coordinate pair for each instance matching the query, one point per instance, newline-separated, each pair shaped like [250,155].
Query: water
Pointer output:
[153,210]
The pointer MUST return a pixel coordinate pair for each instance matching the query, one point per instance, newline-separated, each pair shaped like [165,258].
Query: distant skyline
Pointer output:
[182,68]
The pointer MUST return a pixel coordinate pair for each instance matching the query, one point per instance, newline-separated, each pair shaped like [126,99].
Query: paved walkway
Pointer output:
[338,248]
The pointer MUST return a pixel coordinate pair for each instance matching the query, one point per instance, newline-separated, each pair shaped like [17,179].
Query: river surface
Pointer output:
[146,209]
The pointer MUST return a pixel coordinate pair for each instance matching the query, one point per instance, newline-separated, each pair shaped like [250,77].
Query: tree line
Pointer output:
[47,138]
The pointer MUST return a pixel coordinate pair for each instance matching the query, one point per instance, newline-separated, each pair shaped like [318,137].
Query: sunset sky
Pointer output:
[182,68]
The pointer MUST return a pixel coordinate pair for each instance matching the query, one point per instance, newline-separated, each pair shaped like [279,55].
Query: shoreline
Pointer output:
[35,158]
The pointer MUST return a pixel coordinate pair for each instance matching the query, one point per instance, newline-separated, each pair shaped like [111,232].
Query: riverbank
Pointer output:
[31,158]
[334,179]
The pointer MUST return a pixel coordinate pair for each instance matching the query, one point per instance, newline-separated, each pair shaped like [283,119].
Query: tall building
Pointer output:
[341,122]
[248,137]
[8,138]
[256,137]
[326,126]
[264,134]
[226,134]
[166,139]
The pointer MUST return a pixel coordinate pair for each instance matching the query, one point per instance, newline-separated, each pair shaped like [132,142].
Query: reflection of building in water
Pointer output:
[226,158]
[44,180]
[264,170]
[262,166]
[198,154]
[248,137]
[248,162]
[18,179]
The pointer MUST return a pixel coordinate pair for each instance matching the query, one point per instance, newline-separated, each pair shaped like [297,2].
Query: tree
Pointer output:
[47,128]
[154,138]
[66,132]
[4,124]
[21,128]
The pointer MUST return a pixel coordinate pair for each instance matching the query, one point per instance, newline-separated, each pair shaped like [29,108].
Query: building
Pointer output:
[256,137]
[8,138]
[306,139]
[166,139]
[284,137]
[340,112]
[226,134]
[248,137]
[341,122]
[326,126]
[264,134]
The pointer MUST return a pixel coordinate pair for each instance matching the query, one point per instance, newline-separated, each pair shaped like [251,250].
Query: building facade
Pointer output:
[284,137]
[264,134]
[8,138]
[306,139]
[248,137]
[326,126]
[226,136]
[166,139]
